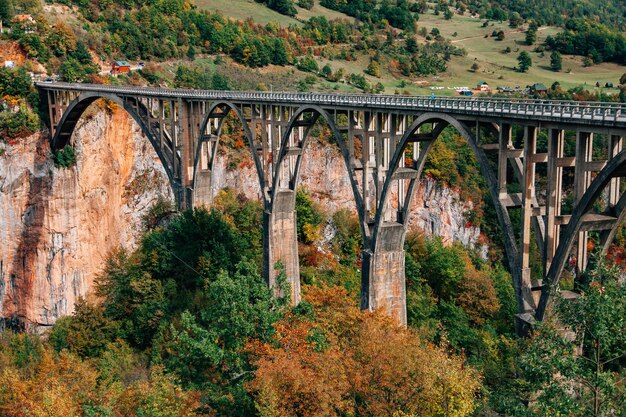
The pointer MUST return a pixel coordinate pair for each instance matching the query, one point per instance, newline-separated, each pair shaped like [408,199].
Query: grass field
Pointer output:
[243,9]
[497,68]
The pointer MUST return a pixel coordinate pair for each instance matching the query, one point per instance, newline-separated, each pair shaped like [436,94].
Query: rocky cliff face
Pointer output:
[435,209]
[57,225]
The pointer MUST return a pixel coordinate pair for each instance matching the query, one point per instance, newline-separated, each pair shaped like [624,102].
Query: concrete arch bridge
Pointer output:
[536,146]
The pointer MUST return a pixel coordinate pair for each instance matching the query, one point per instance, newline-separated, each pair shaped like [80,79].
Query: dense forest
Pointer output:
[402,13]
[555,12]
[184,325]
[592,40]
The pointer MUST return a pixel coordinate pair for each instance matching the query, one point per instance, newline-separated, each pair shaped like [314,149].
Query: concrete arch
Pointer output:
[443,121]
[77,107]
[607,237]
[616,167]
[227,107]
[318,112]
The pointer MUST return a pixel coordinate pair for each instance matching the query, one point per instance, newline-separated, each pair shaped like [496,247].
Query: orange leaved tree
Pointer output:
[329,358]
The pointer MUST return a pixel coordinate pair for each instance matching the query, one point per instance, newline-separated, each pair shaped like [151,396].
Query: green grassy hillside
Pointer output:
[495,67]
[243,9]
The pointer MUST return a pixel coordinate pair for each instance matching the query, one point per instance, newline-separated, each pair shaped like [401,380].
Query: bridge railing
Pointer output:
[576,110]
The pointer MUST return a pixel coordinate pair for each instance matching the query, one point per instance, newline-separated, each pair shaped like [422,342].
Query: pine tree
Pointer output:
[556,63]
[531,36]
[191,53]
[524,61]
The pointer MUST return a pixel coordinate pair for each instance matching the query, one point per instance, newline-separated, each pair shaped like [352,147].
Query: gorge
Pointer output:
[58,225]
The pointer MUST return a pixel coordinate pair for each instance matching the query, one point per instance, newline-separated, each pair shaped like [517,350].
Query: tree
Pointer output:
[71,70]
[86,333]
[411,45]
[622,79]
[280,52]
[61,39]
[326,71]
[82,54]
[524,61]
[373,69]
[515,19]
[580,375]
[330,359]
[145,289]
[309,217]
[285,7]
[359,81]
[475,67]
[306,4]
[15,82]
[447,14]
[309,64]
[191,53]
[220,82]
[556,62]
[531,36]
[206,349]
[6,10]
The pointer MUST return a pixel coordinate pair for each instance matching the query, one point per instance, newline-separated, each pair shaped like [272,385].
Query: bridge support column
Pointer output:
[383,275]
[203,175]
[202,195]
[528,184]
[280,243]
[582,180]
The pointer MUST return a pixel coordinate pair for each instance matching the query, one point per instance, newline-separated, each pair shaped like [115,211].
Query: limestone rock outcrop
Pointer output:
[58,225]
[435,209]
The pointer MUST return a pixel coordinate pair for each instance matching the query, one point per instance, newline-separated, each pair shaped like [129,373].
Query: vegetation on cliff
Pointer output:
[184,325]
[18,97]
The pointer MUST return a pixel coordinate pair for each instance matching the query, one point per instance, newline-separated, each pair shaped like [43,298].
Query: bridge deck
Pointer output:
[609,115]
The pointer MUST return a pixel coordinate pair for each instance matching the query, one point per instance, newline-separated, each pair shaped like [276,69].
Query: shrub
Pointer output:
[308,64]
[18,124]
[64,158]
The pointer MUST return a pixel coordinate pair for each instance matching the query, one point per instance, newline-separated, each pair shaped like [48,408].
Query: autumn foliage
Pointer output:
[36,381]
[334,360]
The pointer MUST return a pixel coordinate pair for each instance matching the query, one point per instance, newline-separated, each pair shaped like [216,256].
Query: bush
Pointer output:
[309,217]
[19,124]
[359,81]
[306,4]
[64,158]
[308,64]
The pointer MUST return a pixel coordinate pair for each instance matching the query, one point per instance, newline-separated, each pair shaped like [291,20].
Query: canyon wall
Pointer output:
[435,209]
[58,225]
